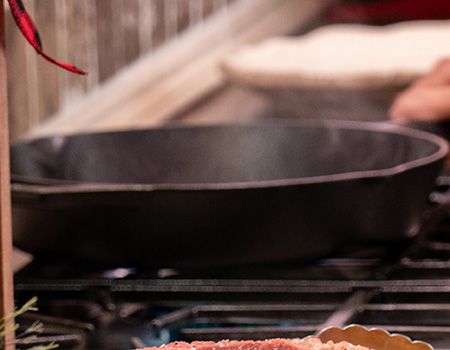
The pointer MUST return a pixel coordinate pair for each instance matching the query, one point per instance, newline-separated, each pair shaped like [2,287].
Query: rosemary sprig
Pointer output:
[8,326]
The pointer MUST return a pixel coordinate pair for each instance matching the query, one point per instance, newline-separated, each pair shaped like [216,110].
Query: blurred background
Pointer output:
[103,36]
[146,41]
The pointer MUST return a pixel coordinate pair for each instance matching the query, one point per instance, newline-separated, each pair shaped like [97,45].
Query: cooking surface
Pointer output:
[226,153]
[401,288]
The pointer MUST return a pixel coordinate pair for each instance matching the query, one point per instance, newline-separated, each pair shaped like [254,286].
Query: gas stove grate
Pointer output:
[401,290]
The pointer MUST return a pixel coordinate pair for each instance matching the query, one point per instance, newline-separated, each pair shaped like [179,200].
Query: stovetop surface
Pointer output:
[403,288]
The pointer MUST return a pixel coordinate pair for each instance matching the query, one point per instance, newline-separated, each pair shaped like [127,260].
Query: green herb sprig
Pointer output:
[8,325]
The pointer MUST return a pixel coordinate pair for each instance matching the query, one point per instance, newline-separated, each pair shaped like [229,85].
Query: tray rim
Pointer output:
[327,334]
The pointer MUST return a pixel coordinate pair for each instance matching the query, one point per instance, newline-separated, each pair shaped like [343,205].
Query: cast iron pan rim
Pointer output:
[383,127]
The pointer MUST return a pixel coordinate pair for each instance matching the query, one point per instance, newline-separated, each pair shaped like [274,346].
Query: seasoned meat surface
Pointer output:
[309,343]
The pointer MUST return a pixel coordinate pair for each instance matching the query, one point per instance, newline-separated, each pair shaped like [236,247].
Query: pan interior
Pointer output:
[216,154]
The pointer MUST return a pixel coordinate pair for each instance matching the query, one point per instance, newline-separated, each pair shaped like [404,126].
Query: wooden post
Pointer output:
[6,275]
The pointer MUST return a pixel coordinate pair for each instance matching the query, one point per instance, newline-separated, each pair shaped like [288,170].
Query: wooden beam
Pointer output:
[6,275]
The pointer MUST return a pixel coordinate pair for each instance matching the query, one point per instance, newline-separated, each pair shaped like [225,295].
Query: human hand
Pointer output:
[428,99]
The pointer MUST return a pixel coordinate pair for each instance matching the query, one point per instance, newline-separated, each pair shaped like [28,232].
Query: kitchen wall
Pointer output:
[100,36]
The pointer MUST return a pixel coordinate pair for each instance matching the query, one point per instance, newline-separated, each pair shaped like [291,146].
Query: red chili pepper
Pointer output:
[28,29]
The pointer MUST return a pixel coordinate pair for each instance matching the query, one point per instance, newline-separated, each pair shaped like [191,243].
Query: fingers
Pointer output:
[428,99]
[427,103]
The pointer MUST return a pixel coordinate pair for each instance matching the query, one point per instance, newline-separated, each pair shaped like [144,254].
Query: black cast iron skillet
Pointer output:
[218,195]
